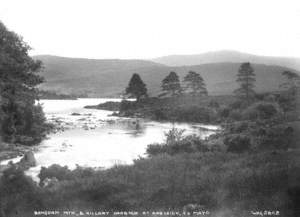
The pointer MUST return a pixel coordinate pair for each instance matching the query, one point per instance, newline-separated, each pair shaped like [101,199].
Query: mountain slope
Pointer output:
[227,56]
[106,78]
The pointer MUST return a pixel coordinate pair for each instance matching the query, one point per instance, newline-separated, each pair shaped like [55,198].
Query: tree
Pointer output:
[246,79]
[136,87]
[291,90]
[171,84]
[292,82]
[195,83]
[21,118]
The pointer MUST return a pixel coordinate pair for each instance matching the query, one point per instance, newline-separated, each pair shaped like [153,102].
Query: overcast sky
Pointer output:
[151,28]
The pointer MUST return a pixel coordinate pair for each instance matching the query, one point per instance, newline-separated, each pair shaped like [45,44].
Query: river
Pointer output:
[94,138]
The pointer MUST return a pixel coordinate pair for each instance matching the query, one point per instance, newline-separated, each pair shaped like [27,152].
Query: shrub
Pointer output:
[235,115]
[19,195]
[174,135]
[127,105]
[159,114]
[55,171]
[237,143]
[214,104]
[224,112]
[176,144]
[155,149]
[238,104]
[275,137]
[192,114]
[260,110]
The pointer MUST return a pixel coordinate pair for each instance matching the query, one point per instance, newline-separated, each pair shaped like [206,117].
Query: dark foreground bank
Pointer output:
[226,183]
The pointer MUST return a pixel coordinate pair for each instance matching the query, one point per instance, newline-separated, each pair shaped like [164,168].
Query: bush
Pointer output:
[260,110]
[55,171]
[155,149]
[224,112]
[176,144]
[192,114]
[159,114]
[235,115]
[62,173]
[127,105]
[237,143]
[19,195]
[275,137]
[174,135]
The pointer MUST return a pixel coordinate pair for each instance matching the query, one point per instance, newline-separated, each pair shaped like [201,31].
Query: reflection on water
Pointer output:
[94,138]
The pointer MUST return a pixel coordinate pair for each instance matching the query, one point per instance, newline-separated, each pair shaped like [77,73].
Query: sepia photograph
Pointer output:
[150,108]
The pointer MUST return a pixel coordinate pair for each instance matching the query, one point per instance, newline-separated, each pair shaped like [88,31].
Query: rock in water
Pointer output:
[28,160]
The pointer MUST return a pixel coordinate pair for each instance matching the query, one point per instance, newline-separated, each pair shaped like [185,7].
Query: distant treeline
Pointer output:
[53,95]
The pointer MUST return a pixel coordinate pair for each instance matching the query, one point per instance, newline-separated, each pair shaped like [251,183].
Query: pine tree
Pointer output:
[291,90]
[195,83]
[292,82]
[171,84]
[136,87]
[246,79]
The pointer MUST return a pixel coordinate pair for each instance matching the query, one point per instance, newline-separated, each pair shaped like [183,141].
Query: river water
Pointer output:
[94,138]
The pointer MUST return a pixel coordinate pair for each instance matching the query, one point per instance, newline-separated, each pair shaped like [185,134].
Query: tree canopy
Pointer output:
[136,87]
[195,83]
[171,84]
[246,79]
[290,90]
[21,119]
[292,81]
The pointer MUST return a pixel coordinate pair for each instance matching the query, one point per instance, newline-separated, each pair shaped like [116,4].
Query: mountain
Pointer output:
[109,77]
[227,56]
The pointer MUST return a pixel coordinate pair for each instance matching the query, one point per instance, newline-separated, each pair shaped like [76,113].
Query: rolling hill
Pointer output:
[108,78]
[227,56]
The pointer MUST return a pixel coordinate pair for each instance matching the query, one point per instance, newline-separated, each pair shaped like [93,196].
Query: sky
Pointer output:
[145,29]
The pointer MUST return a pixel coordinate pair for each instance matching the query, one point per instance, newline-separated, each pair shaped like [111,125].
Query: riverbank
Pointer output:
[193,109]
[9,151]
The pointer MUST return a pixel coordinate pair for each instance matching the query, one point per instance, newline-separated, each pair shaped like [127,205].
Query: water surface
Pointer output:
[94,138]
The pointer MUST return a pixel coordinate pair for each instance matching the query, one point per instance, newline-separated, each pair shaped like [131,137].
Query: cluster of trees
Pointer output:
[246,80]
[21,120]
[170,85]
[244,105]
[194,84]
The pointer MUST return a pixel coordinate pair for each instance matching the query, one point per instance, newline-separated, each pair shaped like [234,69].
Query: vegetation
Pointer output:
[246,79]
[290,88]
[195,83]
[53,95]
[171,84]
[136,87]
[218,181]
[111,106]
[183,108]
[22,120]
[80,75]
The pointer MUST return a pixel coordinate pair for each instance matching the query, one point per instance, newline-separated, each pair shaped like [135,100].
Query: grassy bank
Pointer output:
[220,182]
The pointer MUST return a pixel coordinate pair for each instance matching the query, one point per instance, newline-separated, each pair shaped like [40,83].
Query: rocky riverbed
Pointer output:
[95,138]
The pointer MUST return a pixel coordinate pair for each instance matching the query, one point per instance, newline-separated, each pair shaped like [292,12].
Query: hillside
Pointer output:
[110,77]
[227,56]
